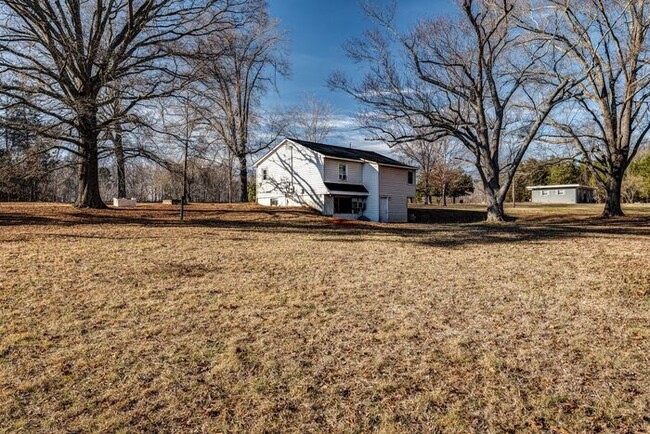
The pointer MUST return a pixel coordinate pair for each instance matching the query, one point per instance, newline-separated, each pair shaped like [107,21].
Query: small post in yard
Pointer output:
[187,145]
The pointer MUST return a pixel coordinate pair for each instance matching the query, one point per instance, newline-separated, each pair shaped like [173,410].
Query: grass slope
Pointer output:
[251,319]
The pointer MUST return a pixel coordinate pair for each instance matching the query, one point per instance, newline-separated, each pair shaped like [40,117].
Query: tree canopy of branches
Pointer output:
[440,168]
[425,157]
[60,58]
[311,121]
[604,46]
[476,79]
[234,72]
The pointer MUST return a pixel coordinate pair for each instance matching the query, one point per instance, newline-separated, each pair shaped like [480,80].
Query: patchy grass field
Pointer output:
[252,319]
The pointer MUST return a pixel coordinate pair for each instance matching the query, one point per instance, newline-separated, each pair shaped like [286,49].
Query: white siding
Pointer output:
[355,171]
[304,171]
[371,182]
[307,171]
[329,206]
[394,191]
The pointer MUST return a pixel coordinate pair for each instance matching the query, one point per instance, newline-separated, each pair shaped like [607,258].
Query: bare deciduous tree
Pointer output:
[424,156]
[447,168]
[475,79]
[59,58]
[183,126]
[243,65]
[116,136]
[311,121]
[604,45]
[439,165]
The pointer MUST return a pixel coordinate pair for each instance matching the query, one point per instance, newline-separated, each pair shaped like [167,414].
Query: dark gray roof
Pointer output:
[356,188]
[350,154]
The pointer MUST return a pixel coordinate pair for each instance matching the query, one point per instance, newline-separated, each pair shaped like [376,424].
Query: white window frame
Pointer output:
[358,205]
[265,174]
[561,192]
[343,176]
[545,193]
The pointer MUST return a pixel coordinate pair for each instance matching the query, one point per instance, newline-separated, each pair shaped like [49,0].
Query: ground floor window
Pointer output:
[349,205]
[274,202]
[342,205]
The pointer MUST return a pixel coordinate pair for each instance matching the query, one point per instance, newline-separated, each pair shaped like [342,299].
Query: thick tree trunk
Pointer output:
[494,198]
[613,199]
[243,177]
[88,195]
[494,208]
[120,160]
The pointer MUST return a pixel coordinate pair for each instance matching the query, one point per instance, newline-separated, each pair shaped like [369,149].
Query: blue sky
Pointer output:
[317,30]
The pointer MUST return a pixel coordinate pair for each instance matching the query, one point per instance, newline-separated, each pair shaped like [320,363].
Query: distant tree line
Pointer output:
[558,171]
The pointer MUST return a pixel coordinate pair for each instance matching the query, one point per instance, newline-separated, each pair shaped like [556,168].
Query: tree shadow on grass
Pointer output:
[524,233]
[301,221]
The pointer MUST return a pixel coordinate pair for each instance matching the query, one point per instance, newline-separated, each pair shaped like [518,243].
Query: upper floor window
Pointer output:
[343,172]
[410,177]
[265,174]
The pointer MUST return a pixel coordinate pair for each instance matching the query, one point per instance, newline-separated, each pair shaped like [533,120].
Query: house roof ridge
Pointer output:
[350,153]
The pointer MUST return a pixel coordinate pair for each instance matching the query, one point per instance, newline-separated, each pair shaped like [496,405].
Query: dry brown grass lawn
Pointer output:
[250,319]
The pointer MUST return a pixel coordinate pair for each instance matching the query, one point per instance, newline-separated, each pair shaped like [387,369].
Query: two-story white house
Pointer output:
[337,181]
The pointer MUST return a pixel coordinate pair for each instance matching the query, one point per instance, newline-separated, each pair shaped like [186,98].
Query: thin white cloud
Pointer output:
[345,132]
[342,122]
